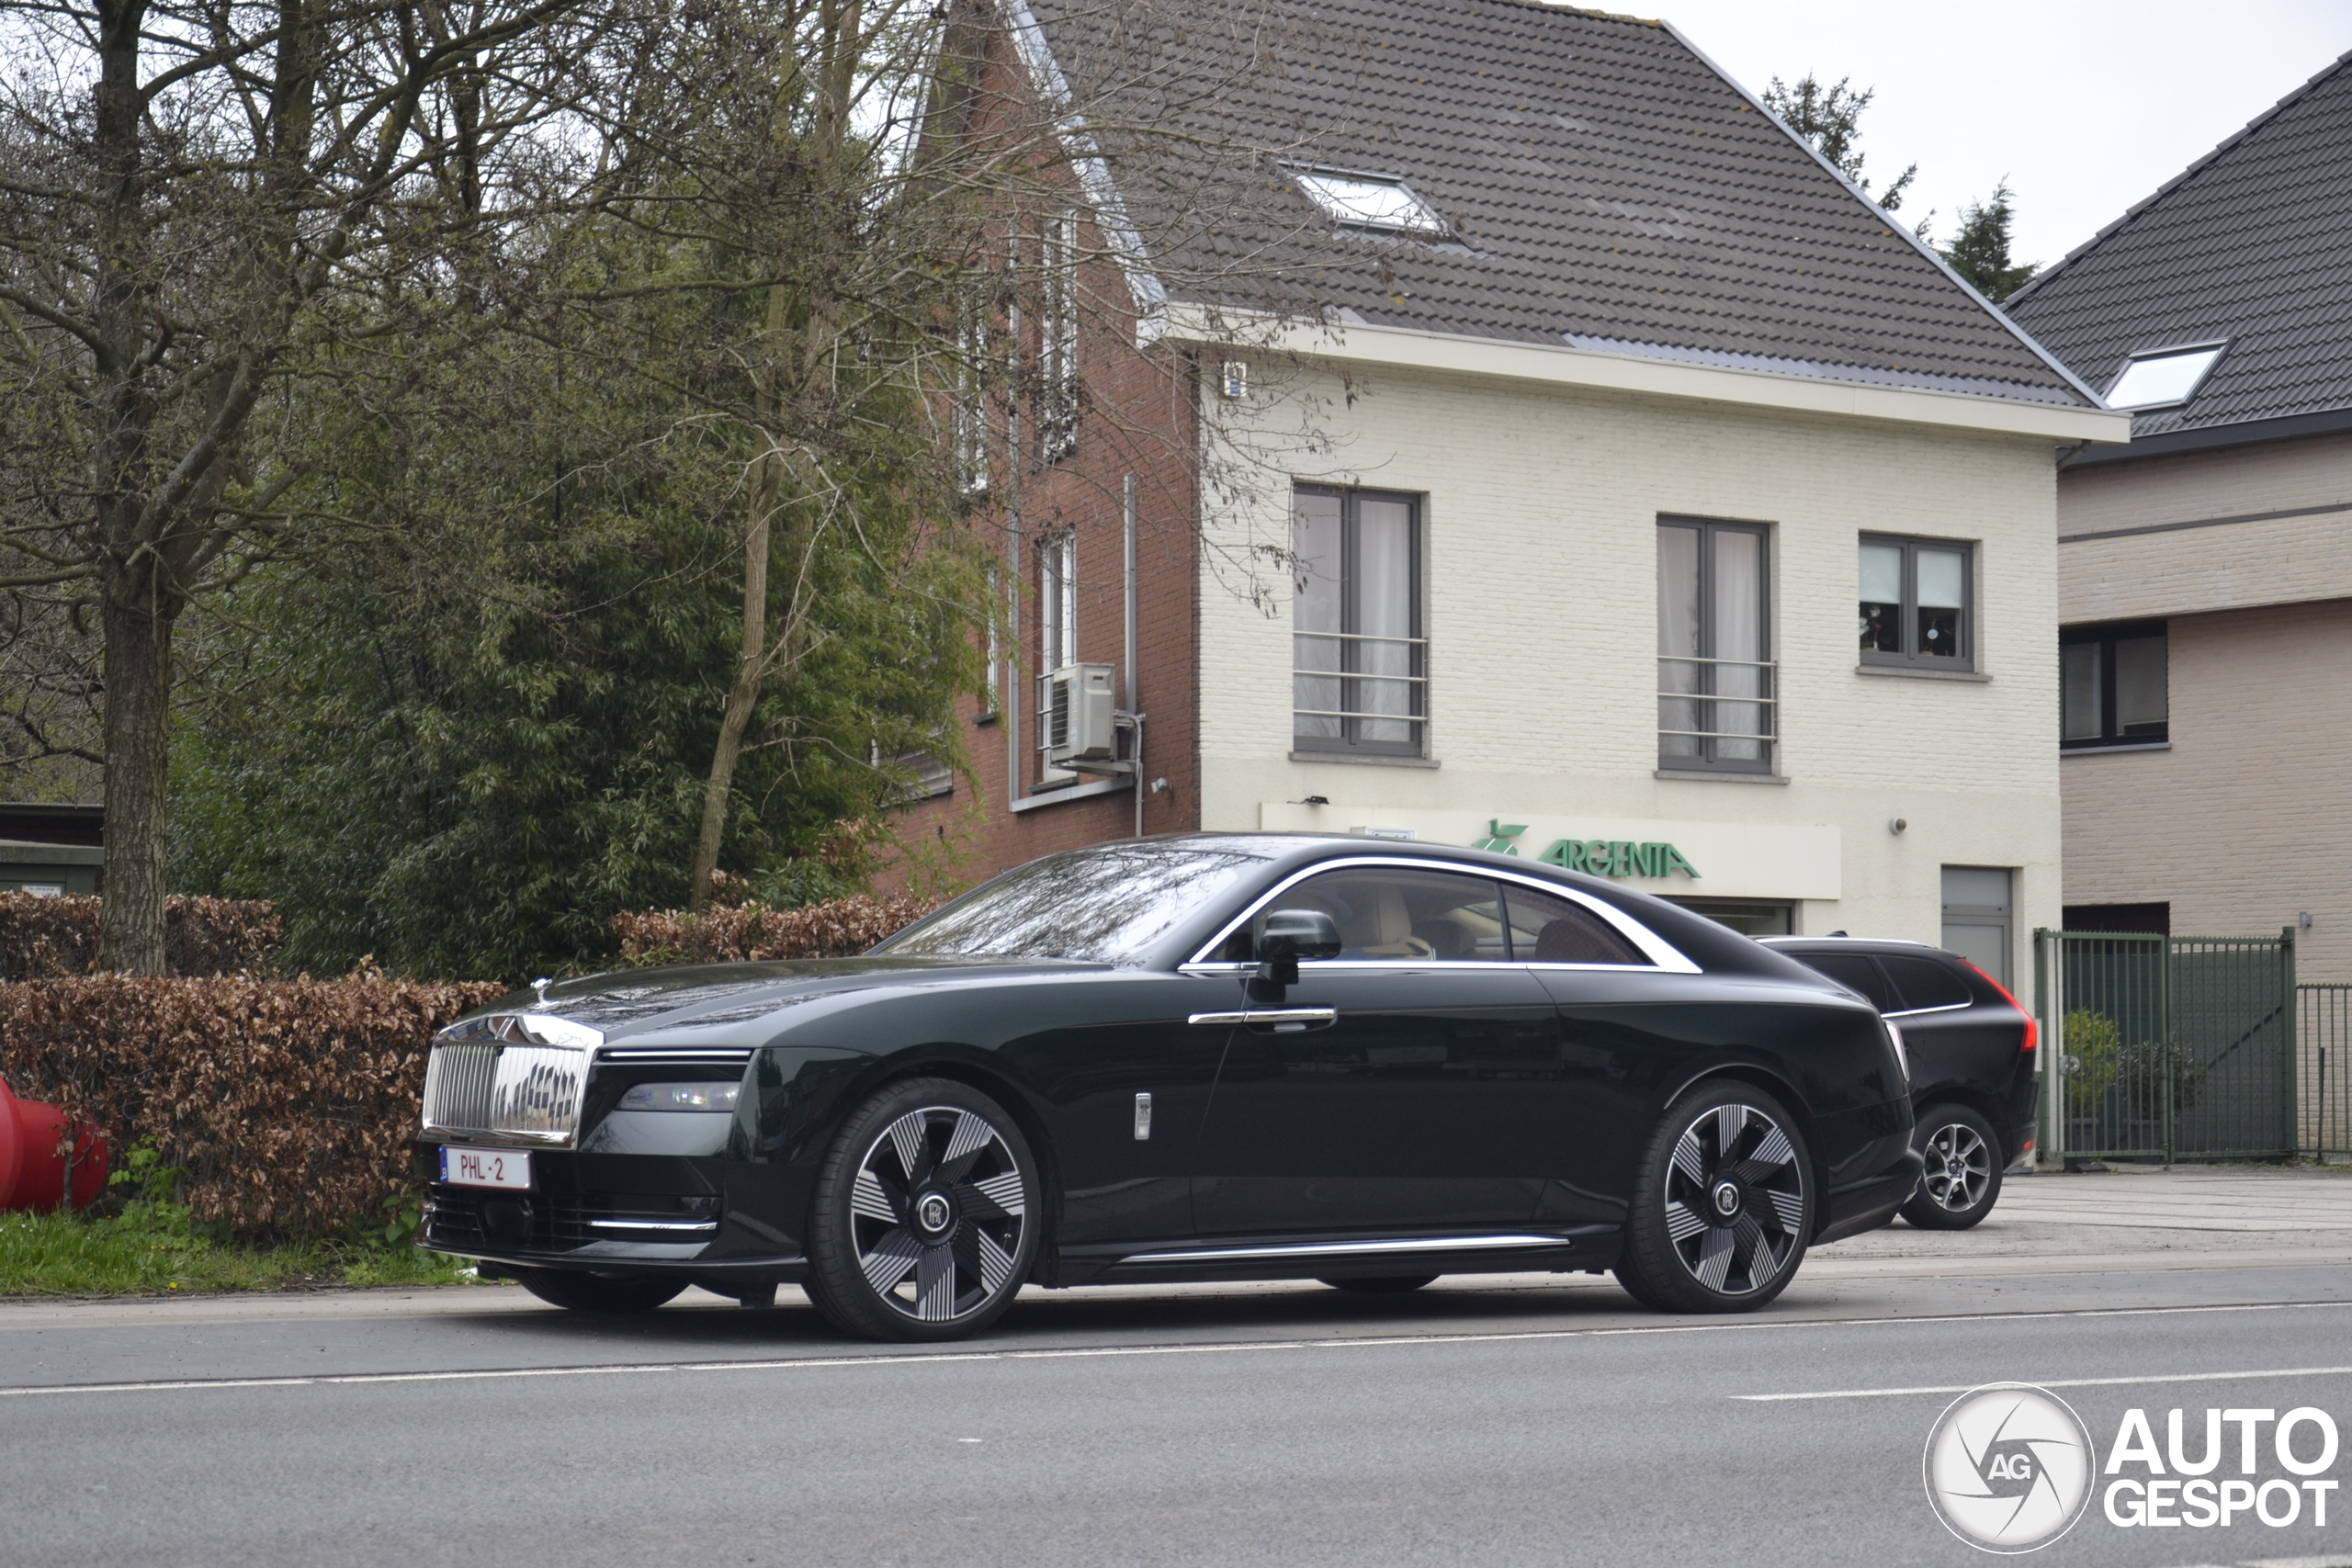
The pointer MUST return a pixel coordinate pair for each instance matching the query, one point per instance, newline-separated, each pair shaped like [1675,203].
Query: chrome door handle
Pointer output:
[1303,1016]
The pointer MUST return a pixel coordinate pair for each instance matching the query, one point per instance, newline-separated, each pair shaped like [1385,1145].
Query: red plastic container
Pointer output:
[11,1147]
[33,1169]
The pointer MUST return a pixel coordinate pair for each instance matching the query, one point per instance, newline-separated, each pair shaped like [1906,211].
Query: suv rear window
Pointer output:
[1925,982]
[1855,972]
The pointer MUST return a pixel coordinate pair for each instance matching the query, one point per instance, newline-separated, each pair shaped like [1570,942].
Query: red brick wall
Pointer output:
[1137,421]
[1137,418]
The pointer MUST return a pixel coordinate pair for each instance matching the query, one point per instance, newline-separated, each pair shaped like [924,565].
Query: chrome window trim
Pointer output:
[1664,957]
[1921,1012]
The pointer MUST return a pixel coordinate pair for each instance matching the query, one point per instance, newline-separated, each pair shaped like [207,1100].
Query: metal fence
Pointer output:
[2324,1039]
[2170,1047]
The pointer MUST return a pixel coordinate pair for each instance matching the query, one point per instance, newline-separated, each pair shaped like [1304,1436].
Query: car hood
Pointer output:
[632,1002]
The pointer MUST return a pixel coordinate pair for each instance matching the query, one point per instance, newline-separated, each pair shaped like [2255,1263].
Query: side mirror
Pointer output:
[1285,936]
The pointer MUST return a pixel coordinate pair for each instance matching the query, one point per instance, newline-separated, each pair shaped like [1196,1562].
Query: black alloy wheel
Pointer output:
[1382,1284]
[1962,1180]
[584,1292]
[1723,1203]
[924,1225]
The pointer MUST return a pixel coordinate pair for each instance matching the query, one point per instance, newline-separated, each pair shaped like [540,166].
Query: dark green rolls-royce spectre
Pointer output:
[1219,1056]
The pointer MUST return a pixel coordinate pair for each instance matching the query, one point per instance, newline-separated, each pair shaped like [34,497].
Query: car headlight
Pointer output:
[1895,1037]
[681,1097]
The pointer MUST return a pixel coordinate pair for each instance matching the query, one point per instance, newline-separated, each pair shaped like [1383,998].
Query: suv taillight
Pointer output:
[2032,1029]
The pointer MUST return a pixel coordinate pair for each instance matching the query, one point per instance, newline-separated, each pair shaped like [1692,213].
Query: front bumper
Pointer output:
[560,1229]
[1867,1204]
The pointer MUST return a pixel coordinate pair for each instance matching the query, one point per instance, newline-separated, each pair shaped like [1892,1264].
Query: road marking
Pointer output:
[2051,1382]
[1220,1347]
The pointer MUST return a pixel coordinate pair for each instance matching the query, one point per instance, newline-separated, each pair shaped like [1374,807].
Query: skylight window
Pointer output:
[1369,201]
[2163,380]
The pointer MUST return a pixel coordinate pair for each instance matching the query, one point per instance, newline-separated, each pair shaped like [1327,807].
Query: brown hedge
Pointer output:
[40,938]
[752,933]
[290,1102]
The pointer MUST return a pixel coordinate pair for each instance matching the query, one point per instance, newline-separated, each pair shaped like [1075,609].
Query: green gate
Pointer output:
[2168,1047]
[2323,1020]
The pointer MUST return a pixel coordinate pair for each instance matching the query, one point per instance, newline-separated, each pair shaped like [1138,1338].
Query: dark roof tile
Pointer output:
[2252,242]
[1604,181]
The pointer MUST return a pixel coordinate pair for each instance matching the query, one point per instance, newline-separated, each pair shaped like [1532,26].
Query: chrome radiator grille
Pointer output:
[529,1092]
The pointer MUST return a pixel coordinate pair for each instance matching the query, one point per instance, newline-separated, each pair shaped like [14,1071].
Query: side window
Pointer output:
[1545,930]
[1856,972]
[1390,912]
[1924,983]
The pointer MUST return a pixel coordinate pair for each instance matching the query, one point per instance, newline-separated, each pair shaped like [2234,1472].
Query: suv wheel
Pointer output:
[1963,1176]
[1723,1203]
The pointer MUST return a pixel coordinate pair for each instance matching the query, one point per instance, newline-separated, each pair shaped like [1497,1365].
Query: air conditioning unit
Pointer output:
[1080,732]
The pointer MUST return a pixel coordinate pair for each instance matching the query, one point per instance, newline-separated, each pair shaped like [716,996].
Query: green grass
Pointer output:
[154,1249]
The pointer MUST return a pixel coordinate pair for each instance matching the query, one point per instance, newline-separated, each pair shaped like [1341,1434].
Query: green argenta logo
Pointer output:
[1601,857]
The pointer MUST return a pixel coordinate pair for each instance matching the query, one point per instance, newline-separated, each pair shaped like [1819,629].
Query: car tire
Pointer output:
[1381,1285]
[582,1291]
[1723,1203]
[926,1216]
[1962,1181]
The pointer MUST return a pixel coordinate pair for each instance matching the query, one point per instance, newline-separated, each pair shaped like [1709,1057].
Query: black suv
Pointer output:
[1971,1051]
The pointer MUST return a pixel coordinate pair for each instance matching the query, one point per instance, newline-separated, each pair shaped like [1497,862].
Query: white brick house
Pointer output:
[1564,377]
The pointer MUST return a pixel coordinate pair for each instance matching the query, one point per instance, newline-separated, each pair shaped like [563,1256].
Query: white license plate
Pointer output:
[486,1168]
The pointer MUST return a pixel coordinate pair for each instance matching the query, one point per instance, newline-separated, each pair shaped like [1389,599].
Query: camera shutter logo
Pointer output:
[2010,1467]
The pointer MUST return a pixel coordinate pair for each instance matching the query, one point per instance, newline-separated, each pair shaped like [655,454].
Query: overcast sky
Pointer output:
[2087,106]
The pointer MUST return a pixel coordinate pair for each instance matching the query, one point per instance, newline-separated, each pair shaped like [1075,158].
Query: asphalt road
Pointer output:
[1524,1420]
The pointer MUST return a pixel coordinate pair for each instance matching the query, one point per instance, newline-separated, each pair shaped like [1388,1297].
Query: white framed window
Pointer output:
[971,400]
[2164,378]
[1056,640]
[1058,602]
[1363,200]
[1057,340]
[993,704]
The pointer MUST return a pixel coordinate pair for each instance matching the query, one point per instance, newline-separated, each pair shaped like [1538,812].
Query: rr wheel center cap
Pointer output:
[934,1212]
[1725,1197]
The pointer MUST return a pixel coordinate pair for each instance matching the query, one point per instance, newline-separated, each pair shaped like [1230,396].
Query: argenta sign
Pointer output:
[1601,857]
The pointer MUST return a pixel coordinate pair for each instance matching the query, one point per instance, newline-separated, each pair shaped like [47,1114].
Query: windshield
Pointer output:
[1112,905]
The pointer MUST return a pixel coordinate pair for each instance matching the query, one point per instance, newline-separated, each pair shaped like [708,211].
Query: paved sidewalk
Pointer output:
[2128,1220]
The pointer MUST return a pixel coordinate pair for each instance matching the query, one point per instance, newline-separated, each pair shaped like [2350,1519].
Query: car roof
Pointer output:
[1849,943]
[1712,946]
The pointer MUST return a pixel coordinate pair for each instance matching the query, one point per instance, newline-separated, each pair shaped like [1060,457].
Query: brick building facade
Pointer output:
[1528,500]
[2205,570]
